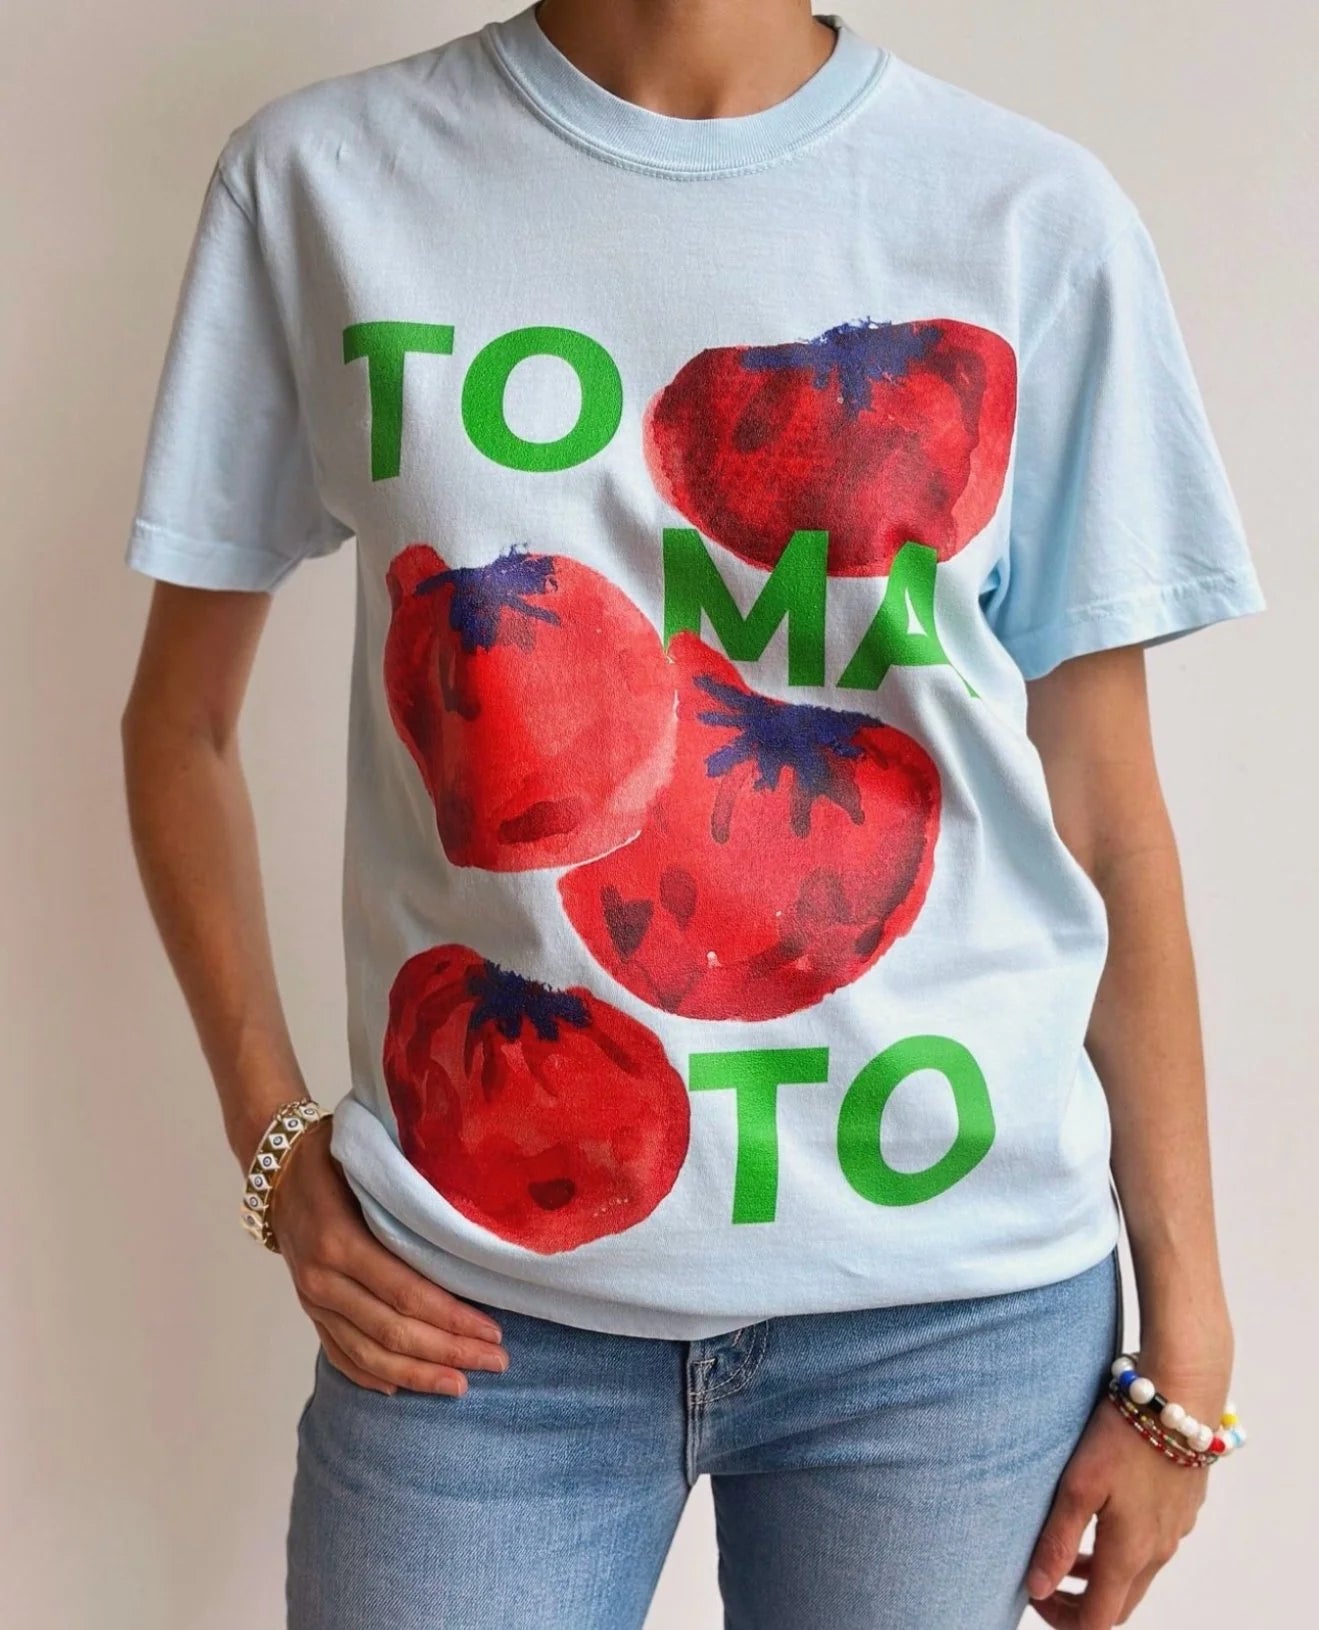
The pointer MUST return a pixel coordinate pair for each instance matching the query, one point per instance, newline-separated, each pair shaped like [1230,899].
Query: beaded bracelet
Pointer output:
[1153,1433]
[1168,1426]
[286,1126]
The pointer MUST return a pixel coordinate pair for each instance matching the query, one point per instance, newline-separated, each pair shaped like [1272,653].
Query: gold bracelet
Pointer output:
[287,1125]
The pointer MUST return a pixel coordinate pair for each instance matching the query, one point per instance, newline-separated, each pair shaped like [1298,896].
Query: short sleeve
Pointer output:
[227,495]
[1123,527]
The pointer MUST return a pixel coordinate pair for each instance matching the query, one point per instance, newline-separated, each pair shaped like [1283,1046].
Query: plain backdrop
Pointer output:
[153,1361]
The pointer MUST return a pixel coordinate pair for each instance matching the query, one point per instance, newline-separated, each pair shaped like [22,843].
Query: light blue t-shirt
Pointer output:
[717,485]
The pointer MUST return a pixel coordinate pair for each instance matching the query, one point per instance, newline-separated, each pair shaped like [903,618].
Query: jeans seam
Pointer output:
[746,1371]
[695,1396]
[697,1391]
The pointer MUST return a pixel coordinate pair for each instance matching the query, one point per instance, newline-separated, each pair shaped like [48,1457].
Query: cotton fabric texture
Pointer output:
[717,485]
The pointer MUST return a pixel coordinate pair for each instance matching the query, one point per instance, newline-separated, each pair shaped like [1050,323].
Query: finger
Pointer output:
[341,1361]
[1059,1610]
[412,1293]
[1116,1562]
[1140,1585]
[410,1337]
[416,1374]
[1059,1541]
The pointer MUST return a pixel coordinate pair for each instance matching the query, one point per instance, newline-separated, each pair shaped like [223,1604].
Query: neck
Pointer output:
[691,59]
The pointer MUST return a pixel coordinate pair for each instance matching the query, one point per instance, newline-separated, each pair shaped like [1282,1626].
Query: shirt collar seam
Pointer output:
[595,148]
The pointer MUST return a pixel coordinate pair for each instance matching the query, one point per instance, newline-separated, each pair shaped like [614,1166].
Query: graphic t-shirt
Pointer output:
[717,485]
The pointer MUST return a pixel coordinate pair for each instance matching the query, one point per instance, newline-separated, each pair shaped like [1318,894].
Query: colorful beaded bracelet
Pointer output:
[1154,1434]
[1167,1425]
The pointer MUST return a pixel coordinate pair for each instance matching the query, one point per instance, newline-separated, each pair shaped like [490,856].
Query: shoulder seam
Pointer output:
[282,316]
[1075,283]
[233,193]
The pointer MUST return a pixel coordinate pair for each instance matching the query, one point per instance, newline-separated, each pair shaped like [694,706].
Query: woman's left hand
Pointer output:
[1145,1505]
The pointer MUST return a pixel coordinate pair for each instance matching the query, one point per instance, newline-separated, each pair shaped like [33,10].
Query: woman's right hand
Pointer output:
[380,1321]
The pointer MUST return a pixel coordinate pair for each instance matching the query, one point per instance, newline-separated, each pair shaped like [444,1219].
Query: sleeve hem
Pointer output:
[158,552]
[1148,617]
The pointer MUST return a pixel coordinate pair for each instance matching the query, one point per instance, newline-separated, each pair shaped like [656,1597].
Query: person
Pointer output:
[767,963]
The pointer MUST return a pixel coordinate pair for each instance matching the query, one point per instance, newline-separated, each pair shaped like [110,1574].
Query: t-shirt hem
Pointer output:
[357,1145]
[1148,617]
[469,1281]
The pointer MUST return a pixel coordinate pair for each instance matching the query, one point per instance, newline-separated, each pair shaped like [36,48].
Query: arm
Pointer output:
[381,1322]
[1089,719]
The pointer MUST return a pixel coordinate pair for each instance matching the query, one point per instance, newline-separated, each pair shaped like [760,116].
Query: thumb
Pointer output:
[1060,1540]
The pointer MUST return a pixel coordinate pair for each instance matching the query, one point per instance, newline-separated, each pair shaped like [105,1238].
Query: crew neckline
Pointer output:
[639,138]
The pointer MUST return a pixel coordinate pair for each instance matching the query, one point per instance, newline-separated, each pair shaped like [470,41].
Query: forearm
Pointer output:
[195,840]
[1146,1044]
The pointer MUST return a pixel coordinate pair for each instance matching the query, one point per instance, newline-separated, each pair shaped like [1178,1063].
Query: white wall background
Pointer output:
[152,1365]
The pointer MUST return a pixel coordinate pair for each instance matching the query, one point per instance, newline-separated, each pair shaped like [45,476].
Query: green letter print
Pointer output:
[483,399]
[756,1077]
[795,589]
[862,1110]
[903,631]
[384,345]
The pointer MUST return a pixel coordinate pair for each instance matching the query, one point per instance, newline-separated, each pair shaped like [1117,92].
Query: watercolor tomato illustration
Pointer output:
[536,701]
[879,433]
[792,846]
[546,1116]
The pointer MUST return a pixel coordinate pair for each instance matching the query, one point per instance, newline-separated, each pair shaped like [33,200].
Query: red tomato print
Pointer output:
[878,433]
[791,847]
[546,1116]
[536,700]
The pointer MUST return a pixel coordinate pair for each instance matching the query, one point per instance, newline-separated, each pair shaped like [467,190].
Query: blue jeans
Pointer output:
[888,1469]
